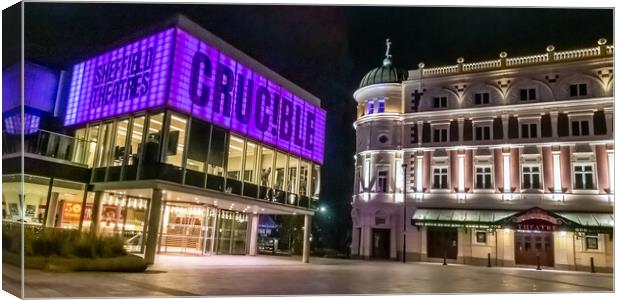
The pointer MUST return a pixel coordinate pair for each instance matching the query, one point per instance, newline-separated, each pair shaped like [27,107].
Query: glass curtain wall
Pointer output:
[124,216]
[292,182]
[118,150]
[150,157]
[231,232]
[234,165]
[198,147]
[135,148]
[217,157]
[250,174]
[266,173]
[281,163]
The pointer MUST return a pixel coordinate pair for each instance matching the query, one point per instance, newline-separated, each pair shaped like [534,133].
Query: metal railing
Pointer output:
[50,144]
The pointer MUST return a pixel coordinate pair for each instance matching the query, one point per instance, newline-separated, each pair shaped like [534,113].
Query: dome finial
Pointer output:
[387,60]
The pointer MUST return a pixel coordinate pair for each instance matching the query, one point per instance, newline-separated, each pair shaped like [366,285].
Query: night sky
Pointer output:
[325,50]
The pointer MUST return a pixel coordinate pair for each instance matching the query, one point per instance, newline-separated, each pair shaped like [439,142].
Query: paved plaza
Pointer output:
[263,275]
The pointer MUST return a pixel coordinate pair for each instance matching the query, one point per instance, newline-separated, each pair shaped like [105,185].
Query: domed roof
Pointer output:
[387,73]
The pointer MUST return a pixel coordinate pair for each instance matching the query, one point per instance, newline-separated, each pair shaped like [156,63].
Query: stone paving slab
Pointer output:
[244,275]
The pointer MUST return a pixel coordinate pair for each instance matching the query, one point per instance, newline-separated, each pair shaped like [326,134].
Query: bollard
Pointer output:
[538,262]
[488,260]
[592,265]
[445,263]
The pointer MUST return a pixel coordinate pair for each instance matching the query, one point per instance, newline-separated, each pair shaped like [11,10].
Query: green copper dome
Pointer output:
[387,73]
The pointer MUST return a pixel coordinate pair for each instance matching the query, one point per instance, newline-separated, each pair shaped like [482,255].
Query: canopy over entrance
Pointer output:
[534,219]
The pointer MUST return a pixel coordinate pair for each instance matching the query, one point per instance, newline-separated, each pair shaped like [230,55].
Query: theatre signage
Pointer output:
[175,69]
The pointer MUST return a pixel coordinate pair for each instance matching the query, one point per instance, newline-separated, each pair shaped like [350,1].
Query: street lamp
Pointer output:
[322,209]
[404,213]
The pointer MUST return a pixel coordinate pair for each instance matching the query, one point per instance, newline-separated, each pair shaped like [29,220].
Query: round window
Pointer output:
[383,139]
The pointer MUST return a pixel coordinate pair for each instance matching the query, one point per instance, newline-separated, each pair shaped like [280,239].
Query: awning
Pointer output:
[580,222]
[460,217]
[590,221]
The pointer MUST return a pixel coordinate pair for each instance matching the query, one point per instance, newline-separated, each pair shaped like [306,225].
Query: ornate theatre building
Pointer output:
[505,162]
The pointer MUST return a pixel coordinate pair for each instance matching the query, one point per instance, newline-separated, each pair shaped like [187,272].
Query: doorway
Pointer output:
[380,243]
[187,229]
[442,240]
[530,244]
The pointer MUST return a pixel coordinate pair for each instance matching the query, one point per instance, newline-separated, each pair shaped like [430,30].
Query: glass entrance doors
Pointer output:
[187,229]
[200,229]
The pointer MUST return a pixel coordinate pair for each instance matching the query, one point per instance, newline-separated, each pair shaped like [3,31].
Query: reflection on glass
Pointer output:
[280,168]
[153,138]
[291,185]
[136,140]
[303,178]
[235,157]
[104,151]
[198,145]
[35,197]
[315,183]
[65,204]
[266,163]
[216,152]
[176,140]
[249,173]
[124,216]
[118,154]
[92,137]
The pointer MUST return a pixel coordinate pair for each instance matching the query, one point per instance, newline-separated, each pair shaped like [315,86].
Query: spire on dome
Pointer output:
[388,57]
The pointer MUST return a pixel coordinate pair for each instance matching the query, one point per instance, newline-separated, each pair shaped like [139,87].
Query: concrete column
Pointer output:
[52,210]
[557,179]
[96,213]
[153,226]
[505,127]
[253,234]
[610,168]
[306,248]
[554,124]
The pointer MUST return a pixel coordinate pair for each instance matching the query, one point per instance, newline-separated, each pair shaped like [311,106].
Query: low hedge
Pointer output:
[126,263]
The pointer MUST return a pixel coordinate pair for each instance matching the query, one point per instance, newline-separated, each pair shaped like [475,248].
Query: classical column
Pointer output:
[554,124]
[96,213]
[609,121]
[419,176]
[306,247]
[506,165]
[610,168]
[461,186]
[153,226]
[253,233]
[461,124]
[505,126]
[419,134]
[557,178]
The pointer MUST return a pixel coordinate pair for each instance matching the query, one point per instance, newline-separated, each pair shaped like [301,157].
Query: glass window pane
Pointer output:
[118,154]
[153,138]
[136,140]
[176,139]
[216,152]
[303,178]
[235,157]
[249,170]
[293,166]
[315,180]
[104,152]
[198,145]
[266,164]
[67,199]
[280,168]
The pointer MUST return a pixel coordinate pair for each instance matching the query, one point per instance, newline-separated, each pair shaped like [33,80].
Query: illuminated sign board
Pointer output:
[177,70]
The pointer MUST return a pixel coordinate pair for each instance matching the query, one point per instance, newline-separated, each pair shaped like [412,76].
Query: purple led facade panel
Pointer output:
[177,70]
[12,124]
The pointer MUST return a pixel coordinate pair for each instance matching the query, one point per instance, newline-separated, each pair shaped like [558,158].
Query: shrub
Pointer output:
[48,242]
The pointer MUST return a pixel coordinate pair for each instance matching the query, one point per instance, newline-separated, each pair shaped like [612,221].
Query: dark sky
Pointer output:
[325,50]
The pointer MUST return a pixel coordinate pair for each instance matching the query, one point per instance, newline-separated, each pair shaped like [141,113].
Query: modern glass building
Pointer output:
[173,139]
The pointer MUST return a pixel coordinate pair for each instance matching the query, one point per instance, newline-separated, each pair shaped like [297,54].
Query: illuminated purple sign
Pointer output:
[204,82]
[12,124]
